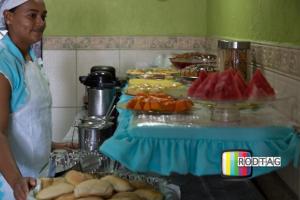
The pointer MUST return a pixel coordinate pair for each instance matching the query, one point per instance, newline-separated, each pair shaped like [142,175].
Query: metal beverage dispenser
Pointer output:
[100,87]
[234,54]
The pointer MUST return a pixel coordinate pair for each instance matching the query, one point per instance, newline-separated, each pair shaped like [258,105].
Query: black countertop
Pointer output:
[215,187]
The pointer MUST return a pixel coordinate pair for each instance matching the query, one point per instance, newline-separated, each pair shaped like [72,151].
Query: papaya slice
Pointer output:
[131,103]
[189,103]
[180,106]
[155,106]
[138,106]
[147,106]
[169,106]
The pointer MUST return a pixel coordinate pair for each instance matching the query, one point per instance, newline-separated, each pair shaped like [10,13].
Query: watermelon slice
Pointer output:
[230,70]
[259,88]
[240,82]
[226,88]
[197,82]
[206,88]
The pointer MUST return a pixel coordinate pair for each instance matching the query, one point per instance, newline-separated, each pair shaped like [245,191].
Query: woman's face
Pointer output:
[26,23]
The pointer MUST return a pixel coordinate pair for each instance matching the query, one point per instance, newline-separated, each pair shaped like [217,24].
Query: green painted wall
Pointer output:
[256,20]
[126,17]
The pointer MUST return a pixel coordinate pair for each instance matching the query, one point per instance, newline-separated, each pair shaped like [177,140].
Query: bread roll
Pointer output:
[149,194]
[140,184]
[90,198]
[75,177]
[45,182]
[58,180]
[93,187]
[126,195]
[69,196]
[54,191]
[88,176]
[119,184]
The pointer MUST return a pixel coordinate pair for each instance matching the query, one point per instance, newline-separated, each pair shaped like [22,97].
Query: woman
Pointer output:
[25,100]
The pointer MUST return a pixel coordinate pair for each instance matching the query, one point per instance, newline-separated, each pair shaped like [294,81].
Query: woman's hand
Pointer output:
[69,146]
[22,187]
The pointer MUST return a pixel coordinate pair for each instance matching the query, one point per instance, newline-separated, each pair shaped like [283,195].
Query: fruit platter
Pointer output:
[159,103]
[226,93]
[151,86]
[153,73]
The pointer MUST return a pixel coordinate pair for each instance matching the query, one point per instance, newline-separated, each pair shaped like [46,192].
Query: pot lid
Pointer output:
[110,69]
[226,44]
[99,79]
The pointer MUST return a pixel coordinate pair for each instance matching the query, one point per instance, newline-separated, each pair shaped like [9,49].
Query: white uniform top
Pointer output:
[29,130]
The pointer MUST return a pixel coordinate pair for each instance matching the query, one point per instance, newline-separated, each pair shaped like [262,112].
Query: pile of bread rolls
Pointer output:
[76,185]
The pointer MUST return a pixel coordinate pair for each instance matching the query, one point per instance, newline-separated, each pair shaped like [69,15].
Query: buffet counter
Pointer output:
[186,148]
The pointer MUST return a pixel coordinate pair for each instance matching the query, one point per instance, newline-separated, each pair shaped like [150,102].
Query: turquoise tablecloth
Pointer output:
[195,150]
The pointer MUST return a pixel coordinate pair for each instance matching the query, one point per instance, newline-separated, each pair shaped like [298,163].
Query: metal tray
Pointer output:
[100,165]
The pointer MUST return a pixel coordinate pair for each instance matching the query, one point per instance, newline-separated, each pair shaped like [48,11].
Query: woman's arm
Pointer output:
[8,166]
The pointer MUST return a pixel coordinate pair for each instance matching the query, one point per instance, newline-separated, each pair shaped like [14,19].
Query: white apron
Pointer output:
[29,130]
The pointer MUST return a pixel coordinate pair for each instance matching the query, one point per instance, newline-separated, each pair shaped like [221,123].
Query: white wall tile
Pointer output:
[285,85]
[60,66]
[270,76]
[289,88]
[62,120]
[88,58]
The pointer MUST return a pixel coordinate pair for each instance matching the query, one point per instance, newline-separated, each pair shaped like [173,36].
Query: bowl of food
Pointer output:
[181,61]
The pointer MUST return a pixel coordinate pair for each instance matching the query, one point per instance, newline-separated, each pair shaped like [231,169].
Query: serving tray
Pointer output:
[104,166]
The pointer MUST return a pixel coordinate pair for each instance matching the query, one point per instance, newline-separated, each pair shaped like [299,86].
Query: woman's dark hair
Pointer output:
[13,9]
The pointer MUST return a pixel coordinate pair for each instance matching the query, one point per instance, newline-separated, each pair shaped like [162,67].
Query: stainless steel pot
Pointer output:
[92,135]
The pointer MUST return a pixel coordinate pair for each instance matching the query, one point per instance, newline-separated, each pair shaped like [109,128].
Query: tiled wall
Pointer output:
[66,58]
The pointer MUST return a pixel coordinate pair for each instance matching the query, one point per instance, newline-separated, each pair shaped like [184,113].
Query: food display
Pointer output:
[181,61]
[230,86]
[153,73]
[159,103]
[193,71]
[78,185]
[136,86]
[135,72]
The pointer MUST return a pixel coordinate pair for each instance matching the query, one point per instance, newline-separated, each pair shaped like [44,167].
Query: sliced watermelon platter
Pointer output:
[229,85]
